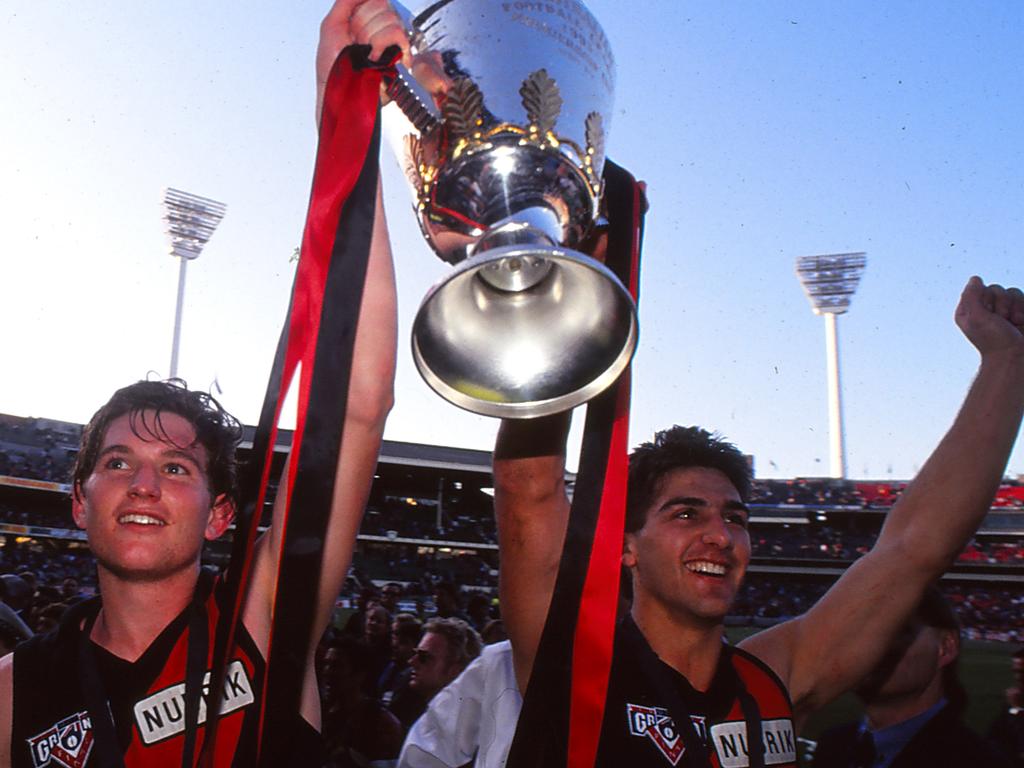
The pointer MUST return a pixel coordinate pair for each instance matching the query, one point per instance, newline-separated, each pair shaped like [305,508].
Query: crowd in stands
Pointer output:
[411,564]
[37,587]
[805,541]
[806,491]
[985,612]
[398,517]
[380,666]
[37,449]
[49,518]
[825,542]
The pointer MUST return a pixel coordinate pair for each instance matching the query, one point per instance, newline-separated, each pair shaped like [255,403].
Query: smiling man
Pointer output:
[155,479]
[679,693]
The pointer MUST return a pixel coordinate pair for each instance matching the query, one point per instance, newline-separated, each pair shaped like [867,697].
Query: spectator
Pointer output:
[377,636]
[493,632]
[356,624]
[471,720]
[16,594]
[479,610]
[12,630]
[1007,730]
[357,730]
[389,596]
[446,648]
[446,602]
[406,631]
[913,702]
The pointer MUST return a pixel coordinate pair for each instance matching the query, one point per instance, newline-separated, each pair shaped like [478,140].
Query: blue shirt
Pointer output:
[889,742]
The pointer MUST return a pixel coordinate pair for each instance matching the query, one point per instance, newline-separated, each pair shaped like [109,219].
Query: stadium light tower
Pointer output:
[190,221]
[829,282]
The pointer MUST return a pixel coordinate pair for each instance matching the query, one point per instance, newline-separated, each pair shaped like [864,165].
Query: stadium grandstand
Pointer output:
[429,520]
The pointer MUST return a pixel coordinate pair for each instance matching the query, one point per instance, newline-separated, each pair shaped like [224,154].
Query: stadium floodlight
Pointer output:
[190,221]
[829,282]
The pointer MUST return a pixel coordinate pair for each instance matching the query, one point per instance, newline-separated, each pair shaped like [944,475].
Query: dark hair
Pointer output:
[935,611]
[408,628]
[446,587]
[216,430]
[353,652]
[679,448]
[463,641]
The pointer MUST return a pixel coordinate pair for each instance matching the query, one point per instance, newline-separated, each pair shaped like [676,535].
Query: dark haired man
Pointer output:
[448,601]
[913,703]
[155,479]
[687,549]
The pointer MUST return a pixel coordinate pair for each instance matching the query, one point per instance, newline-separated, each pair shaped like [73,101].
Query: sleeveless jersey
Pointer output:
[52,725]
[638,730]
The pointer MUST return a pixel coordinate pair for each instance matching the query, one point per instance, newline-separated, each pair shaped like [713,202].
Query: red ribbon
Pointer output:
[595,629]
[347,124]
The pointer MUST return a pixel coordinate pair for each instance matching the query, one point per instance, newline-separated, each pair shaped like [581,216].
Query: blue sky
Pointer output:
[765,131]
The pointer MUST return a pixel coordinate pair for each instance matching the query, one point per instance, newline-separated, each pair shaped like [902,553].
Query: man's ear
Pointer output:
[949,647]
[629,551]
[78,505]
[221,514]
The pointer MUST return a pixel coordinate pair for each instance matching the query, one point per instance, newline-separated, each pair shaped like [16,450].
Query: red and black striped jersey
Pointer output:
[639,731]
[52,725]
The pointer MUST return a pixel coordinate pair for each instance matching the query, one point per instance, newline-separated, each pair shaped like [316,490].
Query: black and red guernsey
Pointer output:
[745,696]
[52,721]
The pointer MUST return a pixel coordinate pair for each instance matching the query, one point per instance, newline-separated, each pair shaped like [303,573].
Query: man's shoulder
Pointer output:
[488,675]
[43,645]
[947,738]
[495,653]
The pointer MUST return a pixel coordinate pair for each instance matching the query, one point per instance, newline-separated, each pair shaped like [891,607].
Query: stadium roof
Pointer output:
[408,454]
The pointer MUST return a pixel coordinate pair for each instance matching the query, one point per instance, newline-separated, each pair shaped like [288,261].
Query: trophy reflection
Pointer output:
[504,134]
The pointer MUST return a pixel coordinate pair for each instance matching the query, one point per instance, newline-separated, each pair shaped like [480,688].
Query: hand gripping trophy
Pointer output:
[504,147]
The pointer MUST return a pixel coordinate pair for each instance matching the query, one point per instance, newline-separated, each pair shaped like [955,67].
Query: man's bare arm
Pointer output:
[829,649]
[371,385]
[533,514]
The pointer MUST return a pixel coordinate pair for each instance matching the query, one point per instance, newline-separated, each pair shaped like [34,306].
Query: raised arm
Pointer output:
[359,22]
[371,385]
[533,514]
[829,649]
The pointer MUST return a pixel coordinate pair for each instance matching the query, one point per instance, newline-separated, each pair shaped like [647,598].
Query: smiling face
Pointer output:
[147,505]
[688,559]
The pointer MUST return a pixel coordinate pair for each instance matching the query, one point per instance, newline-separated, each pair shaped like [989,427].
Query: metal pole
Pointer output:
[440,503]
[837,448]
[829,281]
[177,317]
[190,221]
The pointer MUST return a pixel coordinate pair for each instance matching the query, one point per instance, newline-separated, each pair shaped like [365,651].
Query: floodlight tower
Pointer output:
[190,221]
[829,282]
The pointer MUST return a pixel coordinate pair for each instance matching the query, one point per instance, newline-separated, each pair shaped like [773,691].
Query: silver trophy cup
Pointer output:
[504,147]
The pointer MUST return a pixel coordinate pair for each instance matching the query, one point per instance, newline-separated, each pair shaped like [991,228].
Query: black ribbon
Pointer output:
[314,484]
[542,732]
[108,748]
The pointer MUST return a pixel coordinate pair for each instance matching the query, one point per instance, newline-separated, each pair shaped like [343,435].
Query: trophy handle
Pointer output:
[406,93]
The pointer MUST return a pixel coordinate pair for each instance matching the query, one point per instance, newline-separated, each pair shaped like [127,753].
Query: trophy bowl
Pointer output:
[503,144]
